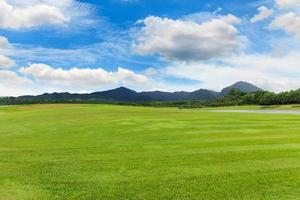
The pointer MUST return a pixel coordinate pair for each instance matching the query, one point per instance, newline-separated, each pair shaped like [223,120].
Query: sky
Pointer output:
[170,45]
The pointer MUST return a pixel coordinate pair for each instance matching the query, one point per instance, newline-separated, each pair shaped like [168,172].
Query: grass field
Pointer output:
[119,152]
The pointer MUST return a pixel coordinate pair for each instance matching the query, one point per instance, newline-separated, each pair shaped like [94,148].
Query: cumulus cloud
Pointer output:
[41,78]
[6,62]
[267,71]
[187,40]
[288,3]
[83,78]
[4,42]
[288,22]
[201,17]
[13,17]
[18,14]
[230,19]
[264,13]
[12,78]
[11,84]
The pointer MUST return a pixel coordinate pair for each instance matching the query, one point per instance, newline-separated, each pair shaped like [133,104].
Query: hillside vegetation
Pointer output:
[241,93]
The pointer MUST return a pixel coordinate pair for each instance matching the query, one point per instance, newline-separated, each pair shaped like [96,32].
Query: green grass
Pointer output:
[119,152]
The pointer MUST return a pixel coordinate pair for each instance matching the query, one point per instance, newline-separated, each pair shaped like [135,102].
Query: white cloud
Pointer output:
[201,17]
[12,78]
[13,17]
[11,84]
[83,78]
[188,40]
[40,78]
[4,42]
[230,19]
[197,49]
[6,62]
[288,3]
[264,13]
[267,71]
[288,22]
[20,14]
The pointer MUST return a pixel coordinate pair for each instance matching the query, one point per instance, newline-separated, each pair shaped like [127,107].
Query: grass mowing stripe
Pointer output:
[122,152]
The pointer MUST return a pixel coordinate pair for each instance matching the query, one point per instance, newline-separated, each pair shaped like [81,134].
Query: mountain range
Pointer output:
[123,94]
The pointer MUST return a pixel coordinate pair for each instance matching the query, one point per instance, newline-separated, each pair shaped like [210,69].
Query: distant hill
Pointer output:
[123,94]
[120,94]
[165,96]
[203,95]
[241,86]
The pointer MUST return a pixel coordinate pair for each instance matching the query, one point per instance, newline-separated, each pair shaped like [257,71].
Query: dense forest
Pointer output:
[236,97]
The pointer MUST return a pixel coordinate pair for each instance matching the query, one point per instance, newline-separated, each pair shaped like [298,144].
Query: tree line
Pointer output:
[235,97]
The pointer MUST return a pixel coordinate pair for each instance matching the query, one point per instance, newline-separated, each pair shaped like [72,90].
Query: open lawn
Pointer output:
[121,152]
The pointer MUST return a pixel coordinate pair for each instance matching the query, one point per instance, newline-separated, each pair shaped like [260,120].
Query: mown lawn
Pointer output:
[119,152]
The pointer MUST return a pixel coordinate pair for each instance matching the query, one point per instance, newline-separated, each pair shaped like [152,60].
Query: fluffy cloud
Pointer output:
[288,22]
[14,17]
[83,78]
[187,40]
[276,73]
[4,42]
[230,19]
[264,13]
[12,78]
[6,62]
[40,78]
[18,14]
[11,84]
[288,3]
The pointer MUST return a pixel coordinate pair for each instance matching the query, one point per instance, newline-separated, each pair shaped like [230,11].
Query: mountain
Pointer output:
[54,95]
[165,96]
[123,94]
[203,95]
[175,96]
[241,86]
[120,94]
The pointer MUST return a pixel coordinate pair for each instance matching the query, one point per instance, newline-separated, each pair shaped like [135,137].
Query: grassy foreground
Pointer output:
[118,152]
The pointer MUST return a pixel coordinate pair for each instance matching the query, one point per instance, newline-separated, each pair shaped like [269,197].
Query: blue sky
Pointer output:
[173,45]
